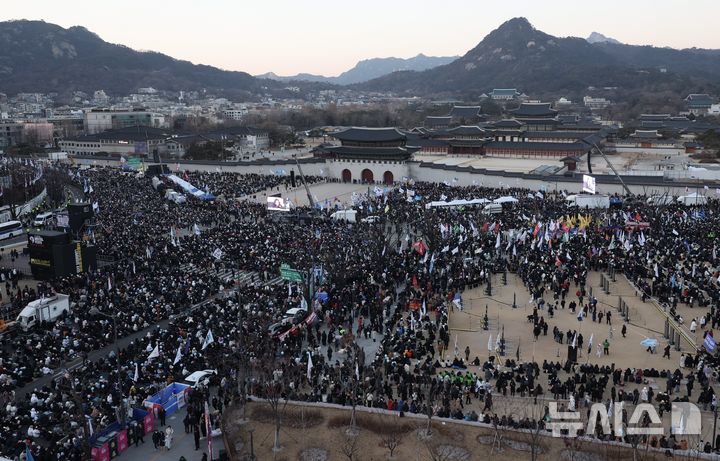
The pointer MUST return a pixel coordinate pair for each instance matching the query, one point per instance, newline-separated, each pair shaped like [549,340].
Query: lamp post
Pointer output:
[715,415]
[96,311]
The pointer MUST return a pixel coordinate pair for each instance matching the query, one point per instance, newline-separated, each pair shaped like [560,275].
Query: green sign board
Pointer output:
[289,274]
[134,162]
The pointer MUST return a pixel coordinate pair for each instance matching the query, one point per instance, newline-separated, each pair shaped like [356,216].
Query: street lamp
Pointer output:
[95,311]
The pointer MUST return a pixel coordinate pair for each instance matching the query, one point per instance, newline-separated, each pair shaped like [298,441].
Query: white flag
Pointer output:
[196,229]
[137,373]
[172,237]
[217,254]
[208,340]
[457,351]
[424,308]
[490,347]
[310,367]
[96,207]
[155,352]
[497,241]
[178,355]
[357,371]
[574,343]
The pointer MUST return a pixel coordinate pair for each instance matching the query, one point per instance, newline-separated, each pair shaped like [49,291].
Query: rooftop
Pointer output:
[534,109]
[466,111]
[467,130]
[549,146]
[364,134]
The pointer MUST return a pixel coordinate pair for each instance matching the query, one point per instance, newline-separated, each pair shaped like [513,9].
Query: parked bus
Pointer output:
[11,229]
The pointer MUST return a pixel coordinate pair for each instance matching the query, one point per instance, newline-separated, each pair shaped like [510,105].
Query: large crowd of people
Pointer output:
[394,279]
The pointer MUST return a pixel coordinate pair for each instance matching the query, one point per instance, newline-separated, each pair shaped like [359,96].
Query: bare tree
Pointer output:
[430,410]
[350,448]
[534,434]
[390,439]
[272,384]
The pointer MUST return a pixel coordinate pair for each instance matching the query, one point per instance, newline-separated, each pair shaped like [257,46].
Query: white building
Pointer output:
[235,114]
[595,103]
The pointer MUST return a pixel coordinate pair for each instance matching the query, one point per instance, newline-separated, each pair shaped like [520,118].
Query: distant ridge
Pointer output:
[369,69]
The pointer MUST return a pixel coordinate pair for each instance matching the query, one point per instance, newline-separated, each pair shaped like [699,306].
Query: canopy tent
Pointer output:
[458,202]
[692,199]
[506,199]
[190,189]
[172,398]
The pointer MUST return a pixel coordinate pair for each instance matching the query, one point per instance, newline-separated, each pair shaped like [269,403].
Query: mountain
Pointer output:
[297,77]
[516,55]
[369,69]
[597,37]
[43,57]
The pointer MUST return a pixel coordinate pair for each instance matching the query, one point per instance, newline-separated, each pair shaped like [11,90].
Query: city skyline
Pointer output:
[317,37]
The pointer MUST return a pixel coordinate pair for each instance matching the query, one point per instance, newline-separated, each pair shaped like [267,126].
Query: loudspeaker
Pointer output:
[292,177]
[77,214]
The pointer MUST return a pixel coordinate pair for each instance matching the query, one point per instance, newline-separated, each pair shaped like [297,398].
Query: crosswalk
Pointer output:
[228,276]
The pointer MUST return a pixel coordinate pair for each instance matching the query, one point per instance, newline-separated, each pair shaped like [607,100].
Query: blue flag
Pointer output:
[28,454]
[710,344]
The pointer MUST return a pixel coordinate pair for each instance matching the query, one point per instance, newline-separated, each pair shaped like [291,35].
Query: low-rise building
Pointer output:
[595,103]
[138,141]
[99,120]
[504,94]
[699,104]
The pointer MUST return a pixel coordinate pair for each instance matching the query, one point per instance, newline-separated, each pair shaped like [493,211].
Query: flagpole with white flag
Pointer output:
[155,353]
[309,367]
[208,340]
[178,355]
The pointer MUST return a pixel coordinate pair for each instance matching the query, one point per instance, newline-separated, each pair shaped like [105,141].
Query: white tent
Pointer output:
[459,202]
[692,199]
[506,199]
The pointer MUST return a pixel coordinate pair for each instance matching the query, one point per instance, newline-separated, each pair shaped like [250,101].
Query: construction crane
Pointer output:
[302,178]
[592,144]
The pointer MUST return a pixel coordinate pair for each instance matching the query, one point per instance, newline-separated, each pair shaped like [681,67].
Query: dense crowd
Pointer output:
[395,278]
[230,185]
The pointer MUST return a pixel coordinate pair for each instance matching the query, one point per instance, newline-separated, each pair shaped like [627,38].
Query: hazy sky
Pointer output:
[328,37]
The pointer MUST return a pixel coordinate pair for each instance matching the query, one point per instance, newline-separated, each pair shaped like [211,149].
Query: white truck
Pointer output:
[583,201]
[43,310]
[58,155]
[345,215]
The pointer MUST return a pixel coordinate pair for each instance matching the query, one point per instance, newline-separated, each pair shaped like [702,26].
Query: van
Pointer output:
[661,200]
[199,377]
[345,215]
[43,219]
